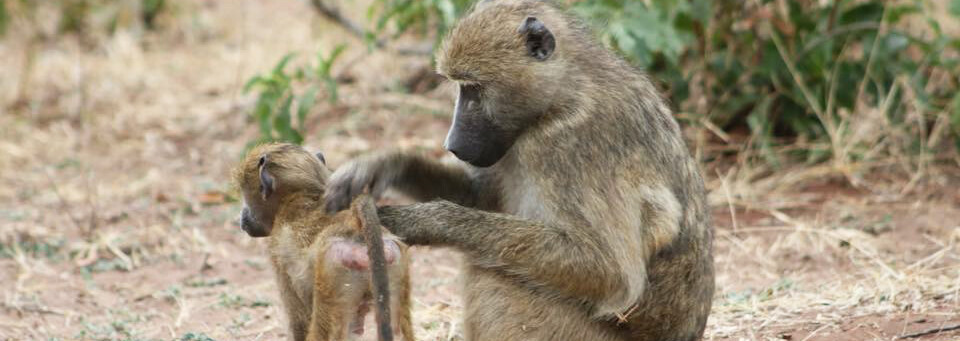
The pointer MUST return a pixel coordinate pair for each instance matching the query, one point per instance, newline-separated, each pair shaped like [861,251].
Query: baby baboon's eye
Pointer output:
[263,159]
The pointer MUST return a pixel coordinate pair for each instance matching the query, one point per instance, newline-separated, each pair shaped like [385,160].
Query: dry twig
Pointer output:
[937,330]
[334,15]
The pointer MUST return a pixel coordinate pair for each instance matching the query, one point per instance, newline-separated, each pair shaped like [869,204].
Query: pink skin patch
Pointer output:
[353,255]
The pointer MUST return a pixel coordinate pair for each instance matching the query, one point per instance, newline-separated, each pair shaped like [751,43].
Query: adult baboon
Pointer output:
[581,214]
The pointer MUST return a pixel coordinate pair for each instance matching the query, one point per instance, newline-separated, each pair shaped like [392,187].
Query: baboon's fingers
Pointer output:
[336,202]
[361,180]
[378,188]
[338,195]
[351,180]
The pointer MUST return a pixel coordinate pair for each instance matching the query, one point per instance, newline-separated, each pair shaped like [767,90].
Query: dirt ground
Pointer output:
[117,220]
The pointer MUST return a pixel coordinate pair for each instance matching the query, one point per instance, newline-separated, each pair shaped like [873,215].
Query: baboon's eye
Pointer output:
[470,96]
[263,159]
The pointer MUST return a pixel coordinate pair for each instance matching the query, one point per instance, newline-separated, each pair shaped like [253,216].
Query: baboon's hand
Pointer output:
[351,179]
[415,224]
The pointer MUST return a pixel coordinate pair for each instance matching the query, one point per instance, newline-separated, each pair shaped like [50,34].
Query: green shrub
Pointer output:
[274,111]
[803,71]
[786,71]
[425,17]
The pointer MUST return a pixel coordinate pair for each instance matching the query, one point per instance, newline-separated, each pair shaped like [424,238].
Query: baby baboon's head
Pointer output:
[271,173]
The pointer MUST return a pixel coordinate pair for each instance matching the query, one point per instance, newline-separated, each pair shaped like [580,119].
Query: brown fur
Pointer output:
[321,296]
[592,226]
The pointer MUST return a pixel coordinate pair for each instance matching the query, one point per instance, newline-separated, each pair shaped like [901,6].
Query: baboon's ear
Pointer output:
[322,159]
[267,184]
[540,41]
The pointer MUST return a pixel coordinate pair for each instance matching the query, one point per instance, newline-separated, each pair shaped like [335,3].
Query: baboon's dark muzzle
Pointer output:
[474,137]
[251,226]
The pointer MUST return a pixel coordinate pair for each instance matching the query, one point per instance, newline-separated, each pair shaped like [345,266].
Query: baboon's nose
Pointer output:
[451,147]
[455,151]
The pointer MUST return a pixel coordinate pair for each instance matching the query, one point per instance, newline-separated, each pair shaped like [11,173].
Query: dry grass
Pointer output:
[117,221]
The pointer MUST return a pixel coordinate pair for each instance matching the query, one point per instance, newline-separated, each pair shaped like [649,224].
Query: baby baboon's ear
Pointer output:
[267,185]
[322,159]
[540,41]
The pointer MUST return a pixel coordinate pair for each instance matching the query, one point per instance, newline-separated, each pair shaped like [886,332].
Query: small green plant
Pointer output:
[170,294]
[228,300]
[151,10]
[11,10]
[420,16]
[644,30]
[4,17]
[107,265]
[195,337]
[84,16]
[205,282]
[121,326]
[32,247]
[277,116]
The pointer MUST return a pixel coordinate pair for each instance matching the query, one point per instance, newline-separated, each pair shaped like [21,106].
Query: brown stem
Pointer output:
[358,31]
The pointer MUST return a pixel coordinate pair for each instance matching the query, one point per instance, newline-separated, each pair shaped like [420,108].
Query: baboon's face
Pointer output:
[260,207]
[504,78]
[259,203]
[268,174]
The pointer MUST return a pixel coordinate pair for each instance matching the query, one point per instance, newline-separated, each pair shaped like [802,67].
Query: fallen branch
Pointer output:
[35,308]
[937,330]
[356,30]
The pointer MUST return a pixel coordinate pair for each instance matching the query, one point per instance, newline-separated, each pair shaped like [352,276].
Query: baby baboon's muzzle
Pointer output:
[251,226]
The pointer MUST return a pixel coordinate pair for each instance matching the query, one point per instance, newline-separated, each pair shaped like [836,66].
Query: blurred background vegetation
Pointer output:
[847,83]
[780,82]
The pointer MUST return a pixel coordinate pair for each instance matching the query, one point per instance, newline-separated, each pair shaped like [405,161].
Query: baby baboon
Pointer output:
[580,211]
[321,261]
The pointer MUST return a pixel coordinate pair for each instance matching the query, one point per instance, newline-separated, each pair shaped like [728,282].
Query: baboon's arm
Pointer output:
[426,179]
[574,260]
[419,177]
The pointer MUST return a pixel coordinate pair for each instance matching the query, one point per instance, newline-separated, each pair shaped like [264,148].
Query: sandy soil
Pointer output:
[117,220]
